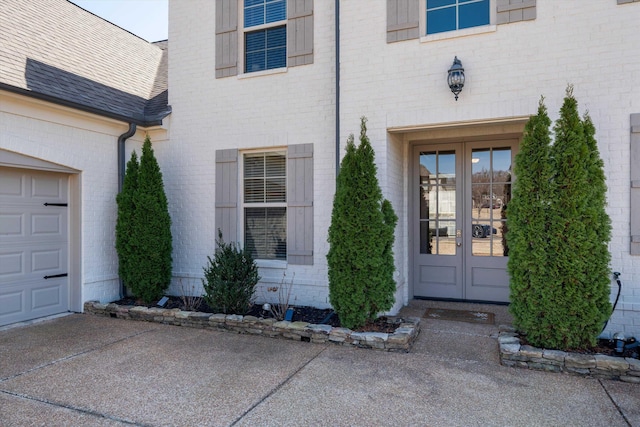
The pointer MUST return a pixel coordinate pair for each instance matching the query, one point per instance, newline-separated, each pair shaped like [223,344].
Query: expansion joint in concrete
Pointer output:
[278,387]
[615,404]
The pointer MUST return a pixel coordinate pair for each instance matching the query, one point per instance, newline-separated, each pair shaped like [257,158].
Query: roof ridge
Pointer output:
[106,20]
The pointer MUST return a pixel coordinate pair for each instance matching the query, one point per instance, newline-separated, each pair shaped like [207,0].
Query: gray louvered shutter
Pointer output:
[403,20]
[226,38]
[227,194]
[635,184]
[508,11]
[300,204]
[299,32]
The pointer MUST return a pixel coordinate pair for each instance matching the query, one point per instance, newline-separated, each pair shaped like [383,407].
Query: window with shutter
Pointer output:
[275,192]
[265,37]
[259,35]
[264,201]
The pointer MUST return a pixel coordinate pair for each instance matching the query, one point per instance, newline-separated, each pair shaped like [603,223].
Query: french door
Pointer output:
[460,193]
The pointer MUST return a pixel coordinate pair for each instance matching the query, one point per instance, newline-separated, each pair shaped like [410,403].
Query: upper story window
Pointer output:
[257,35]
[265,37]
[451,15]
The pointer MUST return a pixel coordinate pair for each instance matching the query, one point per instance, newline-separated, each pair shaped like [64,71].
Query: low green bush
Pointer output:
[230,279]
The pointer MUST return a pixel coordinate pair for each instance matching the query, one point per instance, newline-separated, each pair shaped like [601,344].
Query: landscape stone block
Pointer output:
[611,363]
[510,348]
[580,361]
[554,355]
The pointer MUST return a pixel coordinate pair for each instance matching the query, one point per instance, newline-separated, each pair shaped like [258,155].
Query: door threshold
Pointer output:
[471,301]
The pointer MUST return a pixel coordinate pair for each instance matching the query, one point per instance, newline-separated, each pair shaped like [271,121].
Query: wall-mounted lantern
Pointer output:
[456,77]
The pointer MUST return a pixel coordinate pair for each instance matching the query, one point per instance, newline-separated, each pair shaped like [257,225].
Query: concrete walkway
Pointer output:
[87,370]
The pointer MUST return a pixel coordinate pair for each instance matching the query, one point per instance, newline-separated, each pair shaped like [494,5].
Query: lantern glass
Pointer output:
[455,77]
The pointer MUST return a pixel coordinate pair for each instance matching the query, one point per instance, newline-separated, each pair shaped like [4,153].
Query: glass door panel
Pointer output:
[490,194]
[437,202]
[437,265]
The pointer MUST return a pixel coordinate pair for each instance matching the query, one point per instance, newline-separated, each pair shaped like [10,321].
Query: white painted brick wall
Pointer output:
[589,44]
[263,111]
[89,146]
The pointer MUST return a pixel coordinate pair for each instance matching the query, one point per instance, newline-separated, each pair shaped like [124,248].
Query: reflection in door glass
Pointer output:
[438,202]
[490,194]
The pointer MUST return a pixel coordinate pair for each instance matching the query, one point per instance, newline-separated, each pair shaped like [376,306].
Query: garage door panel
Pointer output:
[12,303]
[33,299]
[11,263]
[40,224]
[31,262]
[33,244]
[12,185]
[47,187]
[43,298]
[47,261]
[46,224]
[12,224]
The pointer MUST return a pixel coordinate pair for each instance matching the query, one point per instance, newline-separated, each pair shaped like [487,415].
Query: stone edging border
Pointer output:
[400,341]
[512,353]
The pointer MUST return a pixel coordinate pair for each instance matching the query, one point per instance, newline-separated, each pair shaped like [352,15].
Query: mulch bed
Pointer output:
[604,346]
[300,314]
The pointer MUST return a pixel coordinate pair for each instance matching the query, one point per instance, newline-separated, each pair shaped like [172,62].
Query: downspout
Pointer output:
[121,169]
[337,37]
[121,160]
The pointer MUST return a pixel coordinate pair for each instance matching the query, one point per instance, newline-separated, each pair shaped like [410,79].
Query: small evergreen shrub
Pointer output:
[361,236]
[230,279]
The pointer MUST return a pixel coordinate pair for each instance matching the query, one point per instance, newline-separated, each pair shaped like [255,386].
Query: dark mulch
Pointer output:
[604,346]
[300,314]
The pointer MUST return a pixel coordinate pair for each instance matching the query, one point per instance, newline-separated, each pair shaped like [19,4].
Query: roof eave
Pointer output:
[155,120]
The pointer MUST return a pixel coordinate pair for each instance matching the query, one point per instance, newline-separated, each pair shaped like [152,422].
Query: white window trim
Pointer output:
[261,73]
[264,263]
[424,38]
[242,30]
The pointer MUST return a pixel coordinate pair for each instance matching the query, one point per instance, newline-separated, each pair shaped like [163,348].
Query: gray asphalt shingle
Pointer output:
[55,49]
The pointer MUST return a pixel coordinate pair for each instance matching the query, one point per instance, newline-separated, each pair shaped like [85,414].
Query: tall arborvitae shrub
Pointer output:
[567,308]
[151,232]
[579,234]
[361,236]
[598,221]
[528,222]
[124,225]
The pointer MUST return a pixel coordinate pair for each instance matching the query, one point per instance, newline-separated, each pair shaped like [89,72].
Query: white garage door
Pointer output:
[33,244]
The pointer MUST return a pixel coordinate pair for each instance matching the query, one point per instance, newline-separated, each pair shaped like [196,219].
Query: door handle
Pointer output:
[458,244]
[55,275]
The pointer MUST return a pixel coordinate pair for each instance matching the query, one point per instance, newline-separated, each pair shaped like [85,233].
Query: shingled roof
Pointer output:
[59,52]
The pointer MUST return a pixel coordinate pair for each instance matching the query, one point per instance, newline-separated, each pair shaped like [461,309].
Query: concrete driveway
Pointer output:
[87,370]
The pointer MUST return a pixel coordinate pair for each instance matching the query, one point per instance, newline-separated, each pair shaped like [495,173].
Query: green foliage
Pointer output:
[528,220]
[230,279]
[361,237]
[560,280]
[145,255]
[124,225]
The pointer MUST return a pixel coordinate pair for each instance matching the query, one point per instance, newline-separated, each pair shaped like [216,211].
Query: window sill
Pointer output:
[271,263]
[262,73]
[458,33]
